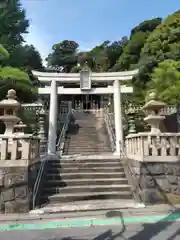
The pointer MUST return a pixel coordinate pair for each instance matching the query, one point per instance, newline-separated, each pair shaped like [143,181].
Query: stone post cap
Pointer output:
[11,94]
[11,100]
[153,103]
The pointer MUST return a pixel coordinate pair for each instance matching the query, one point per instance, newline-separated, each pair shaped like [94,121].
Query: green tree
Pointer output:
[146,26]
[26,57]
[103,57]
[13,23]
[114,51]
[18,80]
[64,54]
[132,50]
[165,81]
[163,43]
[3,52]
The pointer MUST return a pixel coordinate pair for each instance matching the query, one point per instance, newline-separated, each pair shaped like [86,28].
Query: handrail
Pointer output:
[110,129]
[60,143]
[38,181]
[44,161]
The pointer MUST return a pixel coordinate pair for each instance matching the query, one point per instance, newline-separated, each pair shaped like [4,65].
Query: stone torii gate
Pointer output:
[83,81]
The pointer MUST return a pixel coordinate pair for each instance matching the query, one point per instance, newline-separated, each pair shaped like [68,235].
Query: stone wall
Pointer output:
[16,185]
[159,181]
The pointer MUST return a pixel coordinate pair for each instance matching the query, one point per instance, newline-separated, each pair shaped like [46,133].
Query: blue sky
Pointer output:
[89,22]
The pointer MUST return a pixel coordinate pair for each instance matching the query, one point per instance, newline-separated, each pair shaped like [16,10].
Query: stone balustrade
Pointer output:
[18,148]
[150,147]
[32,106]
[168,110]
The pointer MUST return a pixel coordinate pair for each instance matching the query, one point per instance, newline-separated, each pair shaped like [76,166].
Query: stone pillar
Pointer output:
[118,117]
[69,106]
[52,119]
[42,133]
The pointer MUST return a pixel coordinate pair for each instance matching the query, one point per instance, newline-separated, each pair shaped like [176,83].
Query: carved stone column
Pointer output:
[42,132]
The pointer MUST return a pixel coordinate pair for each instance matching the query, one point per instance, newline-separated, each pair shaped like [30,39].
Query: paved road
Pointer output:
[146,231]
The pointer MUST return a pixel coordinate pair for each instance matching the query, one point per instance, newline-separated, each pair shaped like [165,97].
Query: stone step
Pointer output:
[66,145]
[79,148]
[88,181]
[85,145]
[90,131]
[92,158]
[90,208]
[85,175]
[87,153]
[81,144]
[86,149]
[84,164]
[80,169]
[84,189]
[83,139]
[87,196]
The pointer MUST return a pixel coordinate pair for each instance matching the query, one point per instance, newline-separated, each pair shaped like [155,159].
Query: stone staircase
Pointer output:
[88,135]
[95,174]
[69,180]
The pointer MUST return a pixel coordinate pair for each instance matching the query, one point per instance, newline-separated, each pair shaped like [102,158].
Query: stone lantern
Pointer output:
[152,109]
[8,112]
[20,128]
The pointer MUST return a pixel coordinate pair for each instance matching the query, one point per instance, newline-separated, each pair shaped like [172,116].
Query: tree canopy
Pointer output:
[16,58]
[13,23]
[166,81]
[153,46]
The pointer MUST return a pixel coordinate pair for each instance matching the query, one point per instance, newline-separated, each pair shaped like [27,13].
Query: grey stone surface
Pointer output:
[158,181]
[16,188]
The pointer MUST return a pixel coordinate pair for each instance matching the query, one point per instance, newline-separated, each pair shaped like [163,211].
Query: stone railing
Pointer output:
[18,150]
[35,107]
[138,108]
[150,147]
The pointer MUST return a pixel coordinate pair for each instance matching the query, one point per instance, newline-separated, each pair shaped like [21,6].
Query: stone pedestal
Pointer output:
[159,181]
[16,188]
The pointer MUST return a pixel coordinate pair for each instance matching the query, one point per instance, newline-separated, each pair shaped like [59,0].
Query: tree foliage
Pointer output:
[163,43]
[18,80]
[13,23]
[131,52]
[64,54]
[165,81]
[16,59]
[26,57]
[153,46]
[3,52]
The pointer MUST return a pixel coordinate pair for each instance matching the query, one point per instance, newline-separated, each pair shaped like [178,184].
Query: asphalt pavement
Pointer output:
[145,231]
[115,225]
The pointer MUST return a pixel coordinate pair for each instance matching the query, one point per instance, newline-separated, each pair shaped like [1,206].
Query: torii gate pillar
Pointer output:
[52,119]
[118,117]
